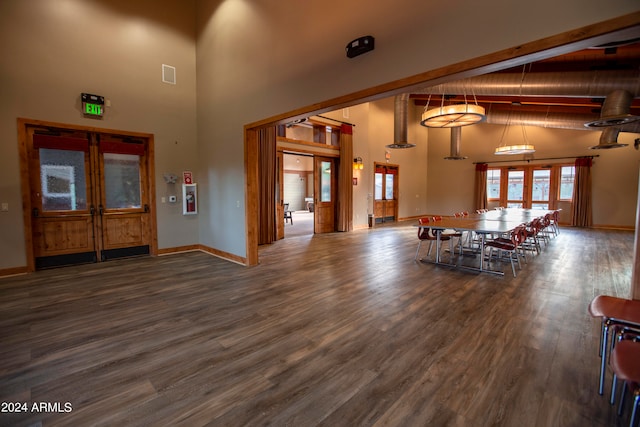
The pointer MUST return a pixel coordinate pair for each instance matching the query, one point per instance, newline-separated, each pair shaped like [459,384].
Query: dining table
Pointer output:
[512,214]
[479,225]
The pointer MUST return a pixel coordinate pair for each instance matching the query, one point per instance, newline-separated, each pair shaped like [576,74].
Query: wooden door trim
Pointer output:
[23,152]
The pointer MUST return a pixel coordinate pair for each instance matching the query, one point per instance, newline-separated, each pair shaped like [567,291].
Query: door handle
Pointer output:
[92,210]
[146,208]
[100,210]
[35,212]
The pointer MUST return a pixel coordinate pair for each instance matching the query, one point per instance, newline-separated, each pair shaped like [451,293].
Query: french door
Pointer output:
[528,187]
[89,196]
[385,204]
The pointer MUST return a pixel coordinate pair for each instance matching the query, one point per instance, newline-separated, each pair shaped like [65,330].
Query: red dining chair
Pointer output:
[555,218]
[613,313]
[427,233]
[549,229]
[450,234]
[532,236]
[625,364]
[511,246]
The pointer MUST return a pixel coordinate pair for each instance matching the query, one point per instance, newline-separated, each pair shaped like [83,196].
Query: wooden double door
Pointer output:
[89,196]
[385,202]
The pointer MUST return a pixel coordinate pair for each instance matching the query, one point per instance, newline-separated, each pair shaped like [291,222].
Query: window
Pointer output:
[493,184]
[567,177]
[530,186]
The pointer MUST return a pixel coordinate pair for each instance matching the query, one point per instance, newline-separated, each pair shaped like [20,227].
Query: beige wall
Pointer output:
[248,60]
[54,50]
[259,59]
[614,172]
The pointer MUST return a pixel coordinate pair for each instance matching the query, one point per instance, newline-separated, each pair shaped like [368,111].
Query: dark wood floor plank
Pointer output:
[333,330]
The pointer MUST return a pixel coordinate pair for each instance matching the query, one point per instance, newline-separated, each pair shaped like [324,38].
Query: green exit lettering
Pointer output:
[93,109]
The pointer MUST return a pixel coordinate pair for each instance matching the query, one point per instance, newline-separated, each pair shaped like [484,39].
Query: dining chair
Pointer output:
[618,334]
[613,313]
[450,234]
[427,233]
[532,236]
[508,246]
[625,364]
[287,214]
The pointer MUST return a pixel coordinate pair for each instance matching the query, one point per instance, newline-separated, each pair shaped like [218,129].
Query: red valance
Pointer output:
[121,148]
[346,129]
[482,167]
[389,170]
[60,142]
[584,161]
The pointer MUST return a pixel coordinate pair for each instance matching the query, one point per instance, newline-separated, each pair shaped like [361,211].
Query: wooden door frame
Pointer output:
[566,42]
[25,183]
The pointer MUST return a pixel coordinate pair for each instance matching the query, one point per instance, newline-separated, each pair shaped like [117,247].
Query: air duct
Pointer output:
[609,139]
[583,84]
[578,84]
[615,110]
[551,120]
[400,120]
[456,136]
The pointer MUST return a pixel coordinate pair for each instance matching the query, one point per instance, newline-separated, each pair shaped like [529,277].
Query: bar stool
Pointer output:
[625,364]
[612,311]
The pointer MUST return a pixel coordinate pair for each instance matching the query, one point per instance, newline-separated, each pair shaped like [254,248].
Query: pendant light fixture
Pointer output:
[455,115]
[525,148]
[510,149]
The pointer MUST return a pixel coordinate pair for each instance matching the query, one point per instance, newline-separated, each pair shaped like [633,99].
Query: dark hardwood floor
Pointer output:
[333,330]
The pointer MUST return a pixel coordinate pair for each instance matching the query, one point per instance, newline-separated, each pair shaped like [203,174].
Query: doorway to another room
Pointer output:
[298,190]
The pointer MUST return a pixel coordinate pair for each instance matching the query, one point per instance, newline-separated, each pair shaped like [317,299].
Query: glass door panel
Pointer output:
[389,186]
[122,181]
[62,179]
[540,189]
[378,186]
[325,181]
[515,189]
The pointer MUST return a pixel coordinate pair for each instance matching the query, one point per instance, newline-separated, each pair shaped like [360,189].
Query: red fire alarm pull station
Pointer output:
[360,45]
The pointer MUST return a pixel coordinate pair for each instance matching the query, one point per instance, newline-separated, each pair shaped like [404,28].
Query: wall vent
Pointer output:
[168,74]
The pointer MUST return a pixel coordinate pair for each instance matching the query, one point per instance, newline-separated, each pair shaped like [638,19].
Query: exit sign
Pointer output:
[92,105]
[92,109]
